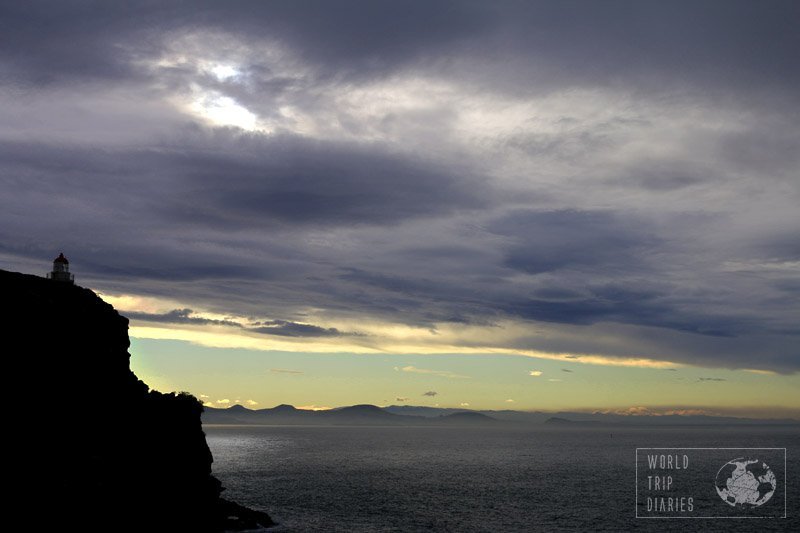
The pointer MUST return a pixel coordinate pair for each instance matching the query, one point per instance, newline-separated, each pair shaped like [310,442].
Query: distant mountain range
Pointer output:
[408,415]
[353,415]
[568,417]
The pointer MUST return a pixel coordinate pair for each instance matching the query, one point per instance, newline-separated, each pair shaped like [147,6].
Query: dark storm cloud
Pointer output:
[51,42]
[760,351]
[667,175]
[663,218]
[47,42]
[393,283]
[179,316]
[785,247]
[719,43]
[256,181]
[791,285]
[424,301]
[283,328]
[548,241]
[628,306]
[367,37]
[315,183]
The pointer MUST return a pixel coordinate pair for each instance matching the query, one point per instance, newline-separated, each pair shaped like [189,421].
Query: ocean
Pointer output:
[405,479]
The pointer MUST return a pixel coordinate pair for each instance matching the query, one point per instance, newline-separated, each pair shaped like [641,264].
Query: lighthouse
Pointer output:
[61,270]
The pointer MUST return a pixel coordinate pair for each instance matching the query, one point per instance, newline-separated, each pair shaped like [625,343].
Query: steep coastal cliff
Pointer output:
[94,448]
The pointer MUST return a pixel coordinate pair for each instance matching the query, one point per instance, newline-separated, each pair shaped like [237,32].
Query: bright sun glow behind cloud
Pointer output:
[224,72]
[221,110]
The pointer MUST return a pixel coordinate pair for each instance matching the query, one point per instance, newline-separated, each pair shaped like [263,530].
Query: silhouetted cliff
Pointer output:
[140,461]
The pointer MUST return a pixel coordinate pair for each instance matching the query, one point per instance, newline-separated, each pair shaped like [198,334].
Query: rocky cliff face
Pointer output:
[92,447]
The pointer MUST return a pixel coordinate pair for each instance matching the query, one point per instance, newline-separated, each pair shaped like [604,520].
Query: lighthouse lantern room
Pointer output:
[61,270]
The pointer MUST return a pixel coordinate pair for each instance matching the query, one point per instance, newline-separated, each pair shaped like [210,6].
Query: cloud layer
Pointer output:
[617,180]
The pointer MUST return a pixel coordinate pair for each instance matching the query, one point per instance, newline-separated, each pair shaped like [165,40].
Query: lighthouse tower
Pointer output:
[61,270]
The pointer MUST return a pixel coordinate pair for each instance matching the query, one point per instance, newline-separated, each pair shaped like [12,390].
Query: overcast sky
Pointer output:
[613,182]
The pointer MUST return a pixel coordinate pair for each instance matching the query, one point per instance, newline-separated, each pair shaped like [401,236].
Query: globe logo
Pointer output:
[745,482]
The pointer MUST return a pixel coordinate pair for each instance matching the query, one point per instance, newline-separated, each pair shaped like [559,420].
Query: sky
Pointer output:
[529,205]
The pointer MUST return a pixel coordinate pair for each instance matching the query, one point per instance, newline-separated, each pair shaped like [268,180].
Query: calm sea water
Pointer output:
[369,479]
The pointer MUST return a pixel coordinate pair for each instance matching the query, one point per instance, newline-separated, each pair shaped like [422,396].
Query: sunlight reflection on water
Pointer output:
[461,479]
